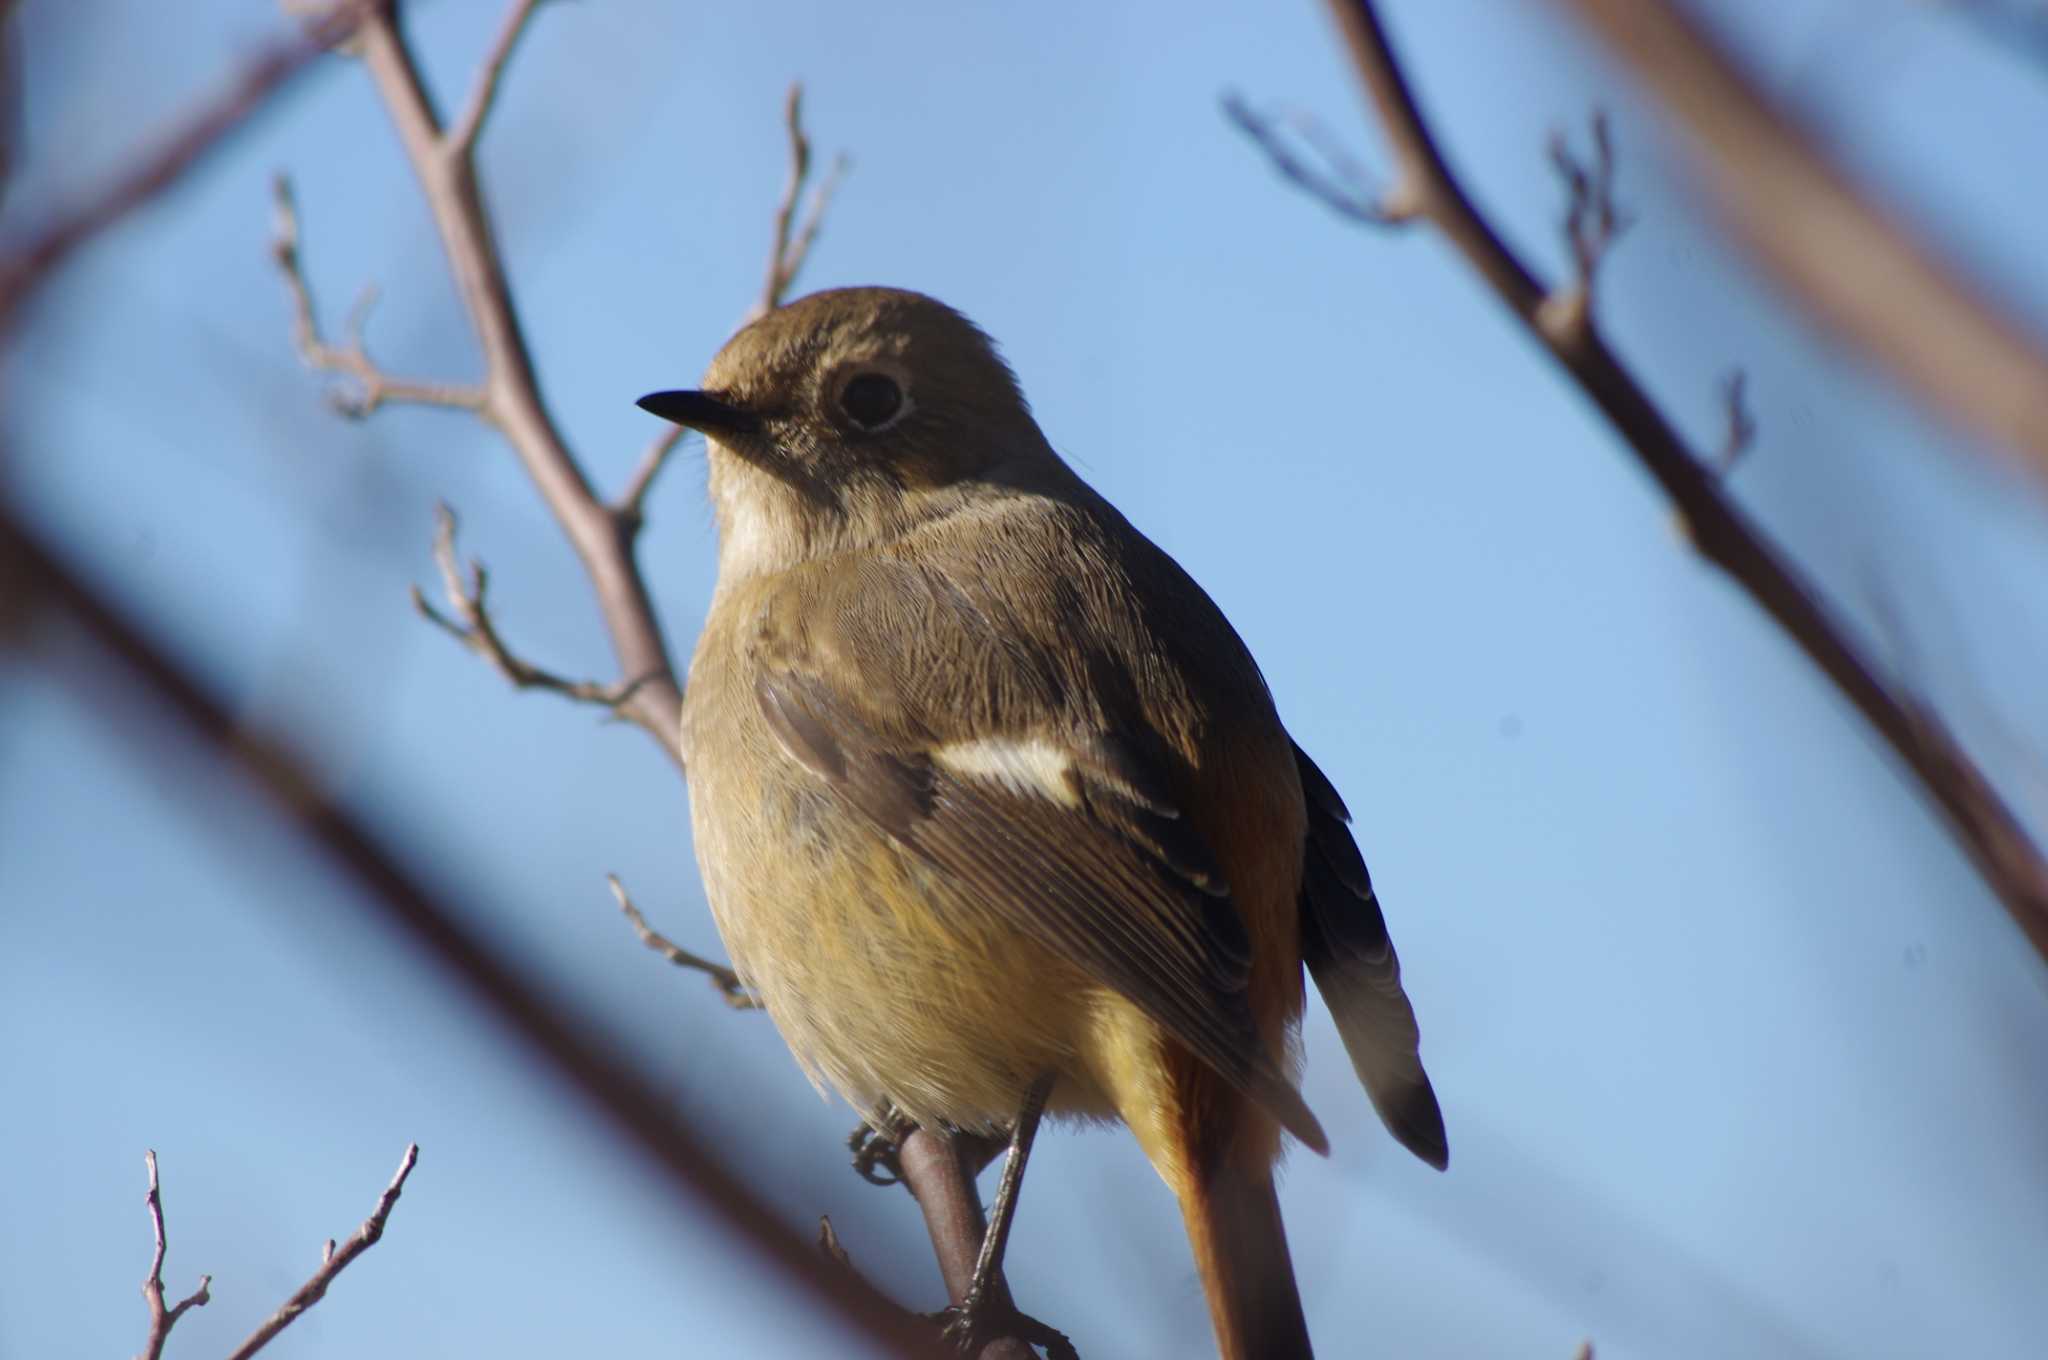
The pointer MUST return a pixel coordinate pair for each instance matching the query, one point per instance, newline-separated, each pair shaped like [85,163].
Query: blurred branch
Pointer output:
[161,1318]
[332,1262]
[723,978]
[1995,840]
[550,1026]
[199,135]
[1876,286]
[604,535]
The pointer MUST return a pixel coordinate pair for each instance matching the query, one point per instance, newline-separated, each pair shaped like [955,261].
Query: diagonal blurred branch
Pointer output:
[1997,843]
[1877,287]
[201,134]
[549,1025]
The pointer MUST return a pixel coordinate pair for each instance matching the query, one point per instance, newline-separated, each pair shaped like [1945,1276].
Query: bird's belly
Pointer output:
[884,983]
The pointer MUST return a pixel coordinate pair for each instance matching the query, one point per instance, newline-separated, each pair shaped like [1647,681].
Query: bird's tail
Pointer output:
[1233,1222]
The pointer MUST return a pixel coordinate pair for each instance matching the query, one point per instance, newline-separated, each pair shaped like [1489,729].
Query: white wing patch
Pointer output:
[1032,766]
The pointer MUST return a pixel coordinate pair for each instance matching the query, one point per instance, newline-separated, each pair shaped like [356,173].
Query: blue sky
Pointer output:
[1736,1054]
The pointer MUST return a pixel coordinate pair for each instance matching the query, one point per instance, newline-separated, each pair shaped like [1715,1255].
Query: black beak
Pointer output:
[701,411]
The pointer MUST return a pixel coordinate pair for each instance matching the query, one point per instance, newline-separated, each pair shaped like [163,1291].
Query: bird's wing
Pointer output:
[1345,943]
[947,731]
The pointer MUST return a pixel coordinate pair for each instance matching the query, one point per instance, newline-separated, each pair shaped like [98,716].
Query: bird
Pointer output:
[993,808]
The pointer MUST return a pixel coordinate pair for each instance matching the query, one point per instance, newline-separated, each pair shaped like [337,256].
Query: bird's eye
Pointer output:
[871,400]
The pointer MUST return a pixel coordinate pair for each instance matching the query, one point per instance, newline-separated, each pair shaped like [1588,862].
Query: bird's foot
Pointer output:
[875,1155]
[982,1319]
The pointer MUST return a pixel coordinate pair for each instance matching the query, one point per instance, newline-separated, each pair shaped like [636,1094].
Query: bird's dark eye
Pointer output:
[871,400]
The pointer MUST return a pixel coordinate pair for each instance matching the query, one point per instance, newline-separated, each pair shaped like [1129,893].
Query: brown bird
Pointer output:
[992,805]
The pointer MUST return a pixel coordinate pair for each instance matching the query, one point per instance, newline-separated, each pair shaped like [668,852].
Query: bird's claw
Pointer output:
[875,1156]
[980,1320]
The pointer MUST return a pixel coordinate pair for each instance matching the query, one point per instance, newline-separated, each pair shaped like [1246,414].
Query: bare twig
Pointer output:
[332,1262]
[1983,825]
[723,978]
[1740,431]
[373,386]
[1593,221]
[509,396]
[197,137]
[631,507]
[829,1243]
[790,249]
[1339,183]
[461,139]
[161,1318]
[550,1026]
[1864,276]
[473,627]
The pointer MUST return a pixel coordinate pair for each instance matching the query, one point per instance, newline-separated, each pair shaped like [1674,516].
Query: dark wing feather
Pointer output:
[1115,880]
[1344,942]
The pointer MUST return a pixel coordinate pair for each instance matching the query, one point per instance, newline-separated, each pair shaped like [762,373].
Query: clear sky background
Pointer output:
[1738,1056]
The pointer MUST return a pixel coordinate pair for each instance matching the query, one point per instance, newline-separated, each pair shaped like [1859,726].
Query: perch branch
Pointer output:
[198,136]
[723,978]
[1983,825]
[332,1263]
[162,1318]
[1868,279]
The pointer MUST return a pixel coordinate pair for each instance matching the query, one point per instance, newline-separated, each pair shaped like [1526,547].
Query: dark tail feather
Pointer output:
[1345,944]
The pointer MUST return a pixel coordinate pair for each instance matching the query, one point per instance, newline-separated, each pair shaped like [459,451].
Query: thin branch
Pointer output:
[1339,183]
[161,1318]
[631,507]
[1984,826]
[723,978]
[1593,222]
[788,251]
[473,627]
[461,139]
[332,1262]
[1827,243]
[829,1243]
[790,248]
[198,137]
[373,386]
[1739,433]
[648,695]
